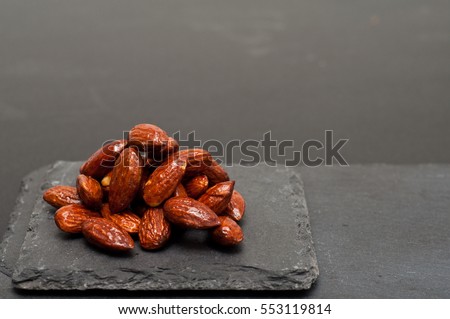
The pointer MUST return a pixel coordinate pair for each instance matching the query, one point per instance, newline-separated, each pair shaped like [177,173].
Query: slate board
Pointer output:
[277,253]
[380,231]
[13,239]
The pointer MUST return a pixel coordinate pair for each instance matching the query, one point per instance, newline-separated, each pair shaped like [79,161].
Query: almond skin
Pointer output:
[125,180]
[126,220]
[156,158]
[214,172]
[59,196]
[189,213]
[90,191]
[103,160]
[105,234]
[154,231]
[196,186]
[70,218]
[236,207]
[180,191]
[163,182]
[218,196]
[229,233]
[148,137]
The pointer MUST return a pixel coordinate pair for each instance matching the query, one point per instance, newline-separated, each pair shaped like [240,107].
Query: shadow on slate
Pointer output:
[277,253]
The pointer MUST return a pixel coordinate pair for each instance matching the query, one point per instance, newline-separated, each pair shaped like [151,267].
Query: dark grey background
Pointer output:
[77,73]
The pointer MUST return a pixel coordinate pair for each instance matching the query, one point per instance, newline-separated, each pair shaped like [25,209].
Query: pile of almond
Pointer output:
[145,187]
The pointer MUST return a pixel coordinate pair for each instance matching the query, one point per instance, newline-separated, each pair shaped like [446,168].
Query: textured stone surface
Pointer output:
[19,219]
[380,231]
[277,253]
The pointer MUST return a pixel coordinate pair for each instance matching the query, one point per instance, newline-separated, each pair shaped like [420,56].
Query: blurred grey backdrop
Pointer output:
[76,73]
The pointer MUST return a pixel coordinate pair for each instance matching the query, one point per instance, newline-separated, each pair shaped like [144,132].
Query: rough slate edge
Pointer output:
[19,219]
[298,279]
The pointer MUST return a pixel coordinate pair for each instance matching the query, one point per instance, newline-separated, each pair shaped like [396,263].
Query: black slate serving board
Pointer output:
[277,253]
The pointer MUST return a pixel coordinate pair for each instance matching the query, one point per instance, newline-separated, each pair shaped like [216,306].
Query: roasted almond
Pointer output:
[163,181]
[156,157]
[59,196]
[105,234]
[236,207]
[126,220]
[214,172]
[195,157]
[148,137]
[90,191]
[70,217]
[103,160]
[154,231]
[125,180]
[218,196]
[190,213]
[229,233]
[180,191]
[196,186]
[106,181]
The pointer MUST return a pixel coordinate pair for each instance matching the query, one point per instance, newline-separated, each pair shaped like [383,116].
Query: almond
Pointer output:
[154,231]
[126,220]
[229,233]
[103,160]
[195,157]
[90,191]
[125,180]
[189,213]
[59,196]
[218,196]
[70,218]
[236,207]
[148,137]
[214,172]
[157,157]
[106,181]
[163,181]
[180,191]
[196,186]
[105,234]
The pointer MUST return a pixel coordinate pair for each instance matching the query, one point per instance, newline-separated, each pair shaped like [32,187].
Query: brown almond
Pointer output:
[195,157]
[196,186]
[180,191]
[126,220]
[154,231]
[70,217]
[90,191]
[163,181]
[148,137]
[189,213]
[157,157]
[59,196]
[214,172]
[218,196]
[229,233]
[103,160]
[105,234]
[236,207]
[125,180]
